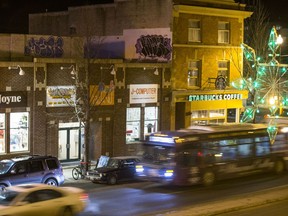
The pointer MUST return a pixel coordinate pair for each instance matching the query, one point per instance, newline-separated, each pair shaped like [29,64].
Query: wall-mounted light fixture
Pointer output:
[156,72]
[73,71]
[112,72]
[21,71]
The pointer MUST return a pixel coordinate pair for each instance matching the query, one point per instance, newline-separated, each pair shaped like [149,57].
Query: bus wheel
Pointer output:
[279,167]
[208,178]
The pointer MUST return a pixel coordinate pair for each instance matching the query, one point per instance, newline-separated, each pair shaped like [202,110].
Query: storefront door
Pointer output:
[69,142]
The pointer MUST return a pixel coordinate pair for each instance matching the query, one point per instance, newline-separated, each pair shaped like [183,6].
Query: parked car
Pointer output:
[112,170]
[31,169]
[42,199]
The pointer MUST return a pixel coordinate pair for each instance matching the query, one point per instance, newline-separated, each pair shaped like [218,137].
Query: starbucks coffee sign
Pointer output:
[13,99]
[214,97]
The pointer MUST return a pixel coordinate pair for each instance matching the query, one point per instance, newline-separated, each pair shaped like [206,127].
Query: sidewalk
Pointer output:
[67,171]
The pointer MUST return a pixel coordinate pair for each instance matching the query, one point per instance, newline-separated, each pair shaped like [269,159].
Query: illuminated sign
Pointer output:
[161,139]
[60,96]
[214,97]
[13,99]
[143,93]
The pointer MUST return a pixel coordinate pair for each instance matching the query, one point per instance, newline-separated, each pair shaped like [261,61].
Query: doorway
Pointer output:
[69,141]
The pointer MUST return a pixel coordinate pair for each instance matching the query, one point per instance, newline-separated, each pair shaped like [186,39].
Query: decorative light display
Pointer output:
[269,85]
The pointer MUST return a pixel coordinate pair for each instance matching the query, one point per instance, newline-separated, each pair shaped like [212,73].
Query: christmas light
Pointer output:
[270,84]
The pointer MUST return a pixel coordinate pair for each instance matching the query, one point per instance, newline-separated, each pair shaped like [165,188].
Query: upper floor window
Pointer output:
[194,31]
[223,32]
[224,70]
[194,70]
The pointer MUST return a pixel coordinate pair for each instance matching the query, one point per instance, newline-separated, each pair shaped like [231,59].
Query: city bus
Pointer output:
[206,154]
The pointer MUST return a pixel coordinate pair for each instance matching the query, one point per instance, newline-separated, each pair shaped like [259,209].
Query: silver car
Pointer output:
[31,169]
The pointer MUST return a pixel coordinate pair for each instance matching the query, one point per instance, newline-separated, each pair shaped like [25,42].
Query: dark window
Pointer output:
[52,164]
[19,168]
[36,166]
[262,146]
[42,195]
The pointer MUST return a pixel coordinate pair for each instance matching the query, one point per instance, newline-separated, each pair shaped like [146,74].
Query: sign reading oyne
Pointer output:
[12,99]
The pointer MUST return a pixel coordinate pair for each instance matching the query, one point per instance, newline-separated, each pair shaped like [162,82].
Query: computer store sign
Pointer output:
[143,93]
[12,99]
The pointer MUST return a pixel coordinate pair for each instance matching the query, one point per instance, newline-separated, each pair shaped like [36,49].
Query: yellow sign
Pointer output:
[102,94]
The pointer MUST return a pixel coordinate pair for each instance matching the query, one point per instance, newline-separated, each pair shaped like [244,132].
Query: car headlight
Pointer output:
[139,168]
[168,173]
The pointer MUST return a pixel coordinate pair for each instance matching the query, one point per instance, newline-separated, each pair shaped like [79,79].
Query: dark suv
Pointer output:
[31,169]
[112,170]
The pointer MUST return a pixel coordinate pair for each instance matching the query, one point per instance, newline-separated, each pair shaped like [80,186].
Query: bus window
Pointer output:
[245,147]
[228,149]
[187,159]
[245,150]
[262,146]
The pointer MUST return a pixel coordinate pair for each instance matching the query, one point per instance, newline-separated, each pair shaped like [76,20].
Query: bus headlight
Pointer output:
[139,168]
[168,173]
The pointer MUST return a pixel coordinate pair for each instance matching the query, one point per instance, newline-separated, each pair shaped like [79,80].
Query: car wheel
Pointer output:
[52,182]
[2,187]
[112,180]
[208,178]
[279,167]
[67,212]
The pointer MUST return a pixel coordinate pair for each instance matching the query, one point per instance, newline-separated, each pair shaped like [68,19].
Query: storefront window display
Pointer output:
[2,132]
[139,121]
[151,120]
[203,117]
[19,128]
[133,124]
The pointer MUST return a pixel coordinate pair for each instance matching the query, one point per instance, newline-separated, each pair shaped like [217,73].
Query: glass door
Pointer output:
[69,142]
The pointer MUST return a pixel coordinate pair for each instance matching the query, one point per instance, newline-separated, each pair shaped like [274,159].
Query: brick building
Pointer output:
[129,64]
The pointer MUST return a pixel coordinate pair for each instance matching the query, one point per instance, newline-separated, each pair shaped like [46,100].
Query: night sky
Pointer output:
[14,13]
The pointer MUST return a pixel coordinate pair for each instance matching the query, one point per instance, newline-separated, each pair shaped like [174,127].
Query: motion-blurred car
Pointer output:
[29,169]
[42,199]
[112,170]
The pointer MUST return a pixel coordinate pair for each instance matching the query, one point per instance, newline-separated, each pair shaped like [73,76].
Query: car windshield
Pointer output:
[4,166]
[7,196]
[113,163]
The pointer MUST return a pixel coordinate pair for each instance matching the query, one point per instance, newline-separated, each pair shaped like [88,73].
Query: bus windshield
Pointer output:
[158,154]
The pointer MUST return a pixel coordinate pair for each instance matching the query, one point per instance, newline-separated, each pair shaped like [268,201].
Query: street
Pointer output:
[145,198]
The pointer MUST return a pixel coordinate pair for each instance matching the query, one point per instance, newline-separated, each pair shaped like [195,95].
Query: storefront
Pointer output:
[207,107]
[14,125]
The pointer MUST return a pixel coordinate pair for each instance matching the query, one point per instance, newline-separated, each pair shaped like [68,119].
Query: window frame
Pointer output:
[224,68]
[223,33]
[142,123]
[194,65]
[194,31]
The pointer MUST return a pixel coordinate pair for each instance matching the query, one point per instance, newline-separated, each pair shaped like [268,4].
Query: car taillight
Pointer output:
[83,197]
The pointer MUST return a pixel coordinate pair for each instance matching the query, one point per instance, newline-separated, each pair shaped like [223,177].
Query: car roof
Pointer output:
[26,157]
[125,157]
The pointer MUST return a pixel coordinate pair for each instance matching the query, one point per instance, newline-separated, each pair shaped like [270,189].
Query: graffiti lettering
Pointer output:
[154,46]
[52,47]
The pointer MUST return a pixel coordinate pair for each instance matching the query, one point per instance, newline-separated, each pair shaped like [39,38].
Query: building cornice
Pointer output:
[177,9]
[206,46]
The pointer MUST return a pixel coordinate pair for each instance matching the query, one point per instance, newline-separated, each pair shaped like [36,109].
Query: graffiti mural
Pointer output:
[51,47]
[154,46]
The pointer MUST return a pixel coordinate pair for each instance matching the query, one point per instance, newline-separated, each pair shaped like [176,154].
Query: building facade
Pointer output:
[167,69]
